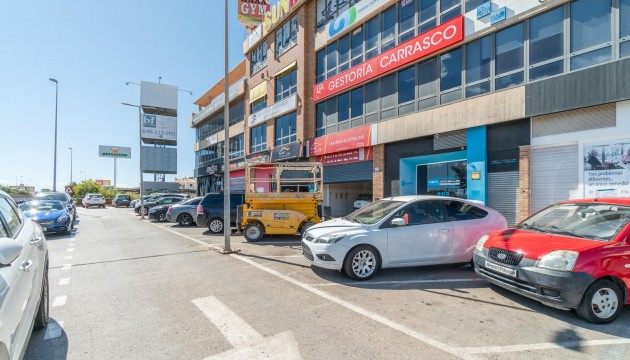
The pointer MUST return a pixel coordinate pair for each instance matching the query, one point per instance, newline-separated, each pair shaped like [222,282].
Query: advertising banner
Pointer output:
[258,158]
[607,168]
[158,95]
[423,45]
[347,157]
[286,152]
[355,13]
[342,141]
[280,108]
[103,182]
[158,129]
[251,12]
[119,152]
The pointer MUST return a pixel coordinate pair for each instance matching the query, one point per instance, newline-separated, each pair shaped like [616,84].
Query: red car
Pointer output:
[570,255]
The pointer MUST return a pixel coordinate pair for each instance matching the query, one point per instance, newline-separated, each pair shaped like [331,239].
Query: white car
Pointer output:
[400,231]
[24,279]
[362,201]
[93,200]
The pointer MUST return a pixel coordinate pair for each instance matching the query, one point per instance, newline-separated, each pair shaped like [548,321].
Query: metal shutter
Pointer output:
[553,173]
[503,194]
[449,140]
[594,117]
[358,171]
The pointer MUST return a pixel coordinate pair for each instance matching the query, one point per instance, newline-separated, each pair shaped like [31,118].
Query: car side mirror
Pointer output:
[9,250]
[398,222]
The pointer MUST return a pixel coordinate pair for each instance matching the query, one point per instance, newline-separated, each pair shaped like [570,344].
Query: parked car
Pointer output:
[93,200]
[400,231]
[51,215]
[24,274]
[121,200]
[184,213]
[210,211]
[67,201]
[158,213]
[146,198]
[571,255]
[362,201]
[159,201]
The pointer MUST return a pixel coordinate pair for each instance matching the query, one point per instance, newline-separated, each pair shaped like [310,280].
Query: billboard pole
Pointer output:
[115,172]
[227,249]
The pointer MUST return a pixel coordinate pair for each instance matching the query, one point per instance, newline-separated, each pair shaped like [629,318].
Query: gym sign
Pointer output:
[421,46]
[277,13]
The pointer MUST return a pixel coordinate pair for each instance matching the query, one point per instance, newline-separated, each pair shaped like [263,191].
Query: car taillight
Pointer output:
[199,209]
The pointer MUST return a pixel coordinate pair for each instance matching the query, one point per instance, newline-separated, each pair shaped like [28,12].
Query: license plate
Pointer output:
[501,269]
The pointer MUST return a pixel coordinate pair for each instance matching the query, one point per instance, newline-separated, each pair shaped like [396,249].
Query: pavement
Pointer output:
[125,288]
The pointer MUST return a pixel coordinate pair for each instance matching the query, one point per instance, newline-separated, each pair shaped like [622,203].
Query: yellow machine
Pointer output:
[281,198]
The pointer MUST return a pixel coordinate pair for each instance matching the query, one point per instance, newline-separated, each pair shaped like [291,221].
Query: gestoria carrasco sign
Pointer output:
[421,46]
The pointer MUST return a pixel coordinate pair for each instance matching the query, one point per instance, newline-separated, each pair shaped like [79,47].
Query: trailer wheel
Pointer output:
[253,232]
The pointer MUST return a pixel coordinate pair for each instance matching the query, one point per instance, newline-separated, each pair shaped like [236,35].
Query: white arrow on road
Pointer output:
[247,342]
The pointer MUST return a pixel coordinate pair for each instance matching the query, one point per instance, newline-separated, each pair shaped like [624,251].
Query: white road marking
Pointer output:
[71,244]
[401,282]
[67,257]
[72,239]
[60,300]
[64,281]
[247,342]
[70,250]
[53,330]
[543,346]
[66,267]
[284,256]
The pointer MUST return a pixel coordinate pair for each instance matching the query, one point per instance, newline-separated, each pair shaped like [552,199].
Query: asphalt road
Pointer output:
[122,288]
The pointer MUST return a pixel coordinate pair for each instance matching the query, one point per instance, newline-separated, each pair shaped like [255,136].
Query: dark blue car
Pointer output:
[51,215]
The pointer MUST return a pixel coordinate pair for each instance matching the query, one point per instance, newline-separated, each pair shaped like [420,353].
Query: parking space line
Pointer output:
[70,250]
[399,282]
[64,281]
[66,267]
[71,244]
[284,256]
[60,300]
[53,330]
[543,346]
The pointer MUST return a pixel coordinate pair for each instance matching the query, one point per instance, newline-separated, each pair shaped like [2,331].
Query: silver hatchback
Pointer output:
[184,213]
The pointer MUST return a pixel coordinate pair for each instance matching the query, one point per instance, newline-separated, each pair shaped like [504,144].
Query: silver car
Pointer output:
[23,279]
[184,213]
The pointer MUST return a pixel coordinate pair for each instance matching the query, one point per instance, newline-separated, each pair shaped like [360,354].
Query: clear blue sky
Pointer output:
[92,48]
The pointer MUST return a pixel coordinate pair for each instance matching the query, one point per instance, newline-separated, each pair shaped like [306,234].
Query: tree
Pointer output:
[86,187]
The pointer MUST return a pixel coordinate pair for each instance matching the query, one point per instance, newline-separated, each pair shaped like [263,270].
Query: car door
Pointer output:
[17,280]
[426,237]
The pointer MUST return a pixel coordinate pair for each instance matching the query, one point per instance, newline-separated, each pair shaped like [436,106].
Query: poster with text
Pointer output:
[607,168]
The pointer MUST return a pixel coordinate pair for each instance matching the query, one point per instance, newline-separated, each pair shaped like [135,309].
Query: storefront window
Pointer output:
[407,20]
[388,34]
[509,57]
[546,44]
[258,58]
[478,57]
[286,129]
[443,179]
[286,84]
[590,32]
[258,138]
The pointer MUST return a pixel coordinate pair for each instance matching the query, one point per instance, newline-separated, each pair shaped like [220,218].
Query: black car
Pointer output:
[210,211]
[158,213]
[65,199]
[121,200]
[162,201]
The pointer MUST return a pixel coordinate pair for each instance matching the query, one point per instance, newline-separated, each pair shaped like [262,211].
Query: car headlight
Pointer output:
[63,219]
[562,260]
[481,242]
[329,239]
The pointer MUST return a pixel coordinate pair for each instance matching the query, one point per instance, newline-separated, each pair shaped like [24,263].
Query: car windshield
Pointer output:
[374,212]
[591,221]
[41,206]
[194,201]
[58,197]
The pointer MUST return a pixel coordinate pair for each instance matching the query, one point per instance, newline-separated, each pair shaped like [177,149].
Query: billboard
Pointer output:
[159,160]
[251,12]
[607,168]
[159,129]
[158,95]
[103,182]
[119,152]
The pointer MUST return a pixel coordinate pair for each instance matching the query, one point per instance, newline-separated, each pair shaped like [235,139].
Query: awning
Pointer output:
[287,68]
[258,92]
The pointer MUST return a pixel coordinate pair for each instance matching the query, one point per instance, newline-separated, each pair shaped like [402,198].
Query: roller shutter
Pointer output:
[503,194]
[554,174]
[359,171]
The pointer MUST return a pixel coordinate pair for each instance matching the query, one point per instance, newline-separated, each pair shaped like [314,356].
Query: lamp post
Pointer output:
[55,161]
[70,166]
[140,151]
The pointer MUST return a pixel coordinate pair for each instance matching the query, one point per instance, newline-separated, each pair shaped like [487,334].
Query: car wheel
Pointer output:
[362,263]
[41,320]
[215,226]
[253,232]
[307,225]
[602,302]
[185,220]
[145,211]
[161,217]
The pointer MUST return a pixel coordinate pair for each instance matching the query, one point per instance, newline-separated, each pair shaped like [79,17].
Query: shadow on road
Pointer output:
[55,347]
[62,236]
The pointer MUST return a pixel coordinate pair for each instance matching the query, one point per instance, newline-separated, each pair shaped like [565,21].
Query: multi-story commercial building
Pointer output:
[210,134]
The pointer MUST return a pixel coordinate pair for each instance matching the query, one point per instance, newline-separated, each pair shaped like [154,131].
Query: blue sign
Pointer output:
[484,9]
[498,15]
[149,121]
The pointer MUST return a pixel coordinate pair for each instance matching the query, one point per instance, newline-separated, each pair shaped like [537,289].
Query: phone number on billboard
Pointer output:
[160,133]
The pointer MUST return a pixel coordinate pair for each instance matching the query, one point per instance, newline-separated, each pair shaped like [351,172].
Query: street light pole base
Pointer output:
[228,252]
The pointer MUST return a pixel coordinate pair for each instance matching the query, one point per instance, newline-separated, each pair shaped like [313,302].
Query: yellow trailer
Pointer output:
[281,198]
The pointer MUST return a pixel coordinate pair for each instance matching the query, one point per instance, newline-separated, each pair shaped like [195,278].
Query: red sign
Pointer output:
[346,157]
[421,46]
[341,141]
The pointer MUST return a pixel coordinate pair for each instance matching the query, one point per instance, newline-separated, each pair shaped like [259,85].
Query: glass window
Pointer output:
[546,42]
[421,212]
[322,13]
[286,85]
[450,14]
[459,211]
[320,116]
[331,60]
[371,38]
[407,85]
[478,56]
[344,53]
[11,217]
[321,65]
[237,146]
[388,32]
[474,4]
[343,106]
[427,81]
[331,111]
[590,58]
[356,96]
[258,58]
[624,49]
[371,97]
[443,179]
[428,10]
[407,20]
[286,129]
[258,138]
[286,36]
[388,91]
[447,4]
[509,80]
[624,13]
[451,70]
[509,49]
[357,47]
[590,23]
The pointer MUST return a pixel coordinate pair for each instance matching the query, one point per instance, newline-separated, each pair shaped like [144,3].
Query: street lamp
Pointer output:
[140,151]
[55,161]
[70,166]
